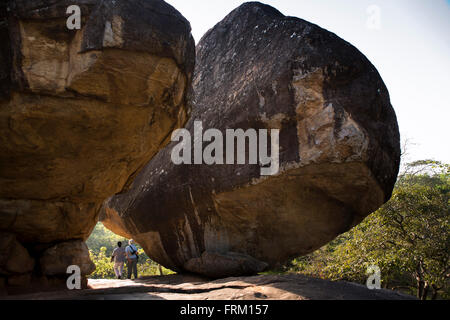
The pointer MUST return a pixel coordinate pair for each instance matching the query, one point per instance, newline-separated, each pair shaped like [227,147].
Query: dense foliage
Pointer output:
[101,244]
[102,237]
[408,238]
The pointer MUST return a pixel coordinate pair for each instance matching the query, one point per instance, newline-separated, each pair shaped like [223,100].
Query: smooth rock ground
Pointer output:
[177,287]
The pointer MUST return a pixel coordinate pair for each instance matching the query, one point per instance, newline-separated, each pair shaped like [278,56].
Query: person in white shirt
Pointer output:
[119,257]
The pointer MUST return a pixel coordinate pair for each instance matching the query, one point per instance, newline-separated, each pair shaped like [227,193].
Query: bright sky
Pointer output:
[410,47]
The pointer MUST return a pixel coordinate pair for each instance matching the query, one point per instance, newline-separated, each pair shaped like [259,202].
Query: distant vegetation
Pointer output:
[408,239]
[101,244]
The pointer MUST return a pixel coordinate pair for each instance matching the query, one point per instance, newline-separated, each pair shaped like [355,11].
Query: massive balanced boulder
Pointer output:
[338,142]
[81,111]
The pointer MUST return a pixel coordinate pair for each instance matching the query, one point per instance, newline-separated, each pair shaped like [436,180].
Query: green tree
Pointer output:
[408,238]
[104,238]
[104,268]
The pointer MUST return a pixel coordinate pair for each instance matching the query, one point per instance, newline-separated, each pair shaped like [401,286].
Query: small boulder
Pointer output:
[14,258]
[58,258]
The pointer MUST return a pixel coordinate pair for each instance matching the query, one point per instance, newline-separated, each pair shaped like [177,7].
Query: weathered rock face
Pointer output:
[54,260]
[339,150]
[81,111]
[14,258]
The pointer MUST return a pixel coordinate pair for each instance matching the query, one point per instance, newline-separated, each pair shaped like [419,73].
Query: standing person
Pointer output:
[132,258]
[118,256]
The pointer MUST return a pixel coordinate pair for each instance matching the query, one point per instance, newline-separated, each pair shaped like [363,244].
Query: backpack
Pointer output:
[134,253]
